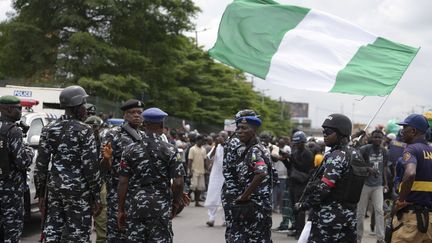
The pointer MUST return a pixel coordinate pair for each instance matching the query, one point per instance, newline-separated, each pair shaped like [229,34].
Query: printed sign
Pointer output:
[229,125]
[22,93]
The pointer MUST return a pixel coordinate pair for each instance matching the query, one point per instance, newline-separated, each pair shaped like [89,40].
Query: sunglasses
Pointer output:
[328,131]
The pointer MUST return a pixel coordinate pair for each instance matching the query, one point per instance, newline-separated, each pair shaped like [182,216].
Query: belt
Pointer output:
[420,186]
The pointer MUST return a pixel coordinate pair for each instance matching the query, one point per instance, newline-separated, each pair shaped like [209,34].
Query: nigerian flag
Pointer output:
[307,49]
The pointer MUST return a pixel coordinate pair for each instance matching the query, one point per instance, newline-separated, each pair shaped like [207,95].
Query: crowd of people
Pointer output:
[132,179]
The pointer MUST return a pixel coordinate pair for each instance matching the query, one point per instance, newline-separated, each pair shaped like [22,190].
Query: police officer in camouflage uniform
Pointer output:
[146,170]
[73,182]
[248,185]
[117,139]
[332,219]
[232,147]
[15,158]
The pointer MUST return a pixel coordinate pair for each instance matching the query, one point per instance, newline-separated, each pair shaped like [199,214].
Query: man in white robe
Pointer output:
[213,199]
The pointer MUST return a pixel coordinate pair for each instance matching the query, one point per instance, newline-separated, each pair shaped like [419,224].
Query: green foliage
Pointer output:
[116,87]
[123,49]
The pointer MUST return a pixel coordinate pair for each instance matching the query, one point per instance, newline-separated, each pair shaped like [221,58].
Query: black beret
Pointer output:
[129,104]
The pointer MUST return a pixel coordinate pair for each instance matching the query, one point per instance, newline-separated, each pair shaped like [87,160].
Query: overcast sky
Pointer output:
[404,21]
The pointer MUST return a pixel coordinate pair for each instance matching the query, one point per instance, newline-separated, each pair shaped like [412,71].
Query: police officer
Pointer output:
[249,183]
[117,139]
[15,158]
[301,163]
[73,185]
[100,221]
[232,150]
[333,219]
[146,170]
[414,204]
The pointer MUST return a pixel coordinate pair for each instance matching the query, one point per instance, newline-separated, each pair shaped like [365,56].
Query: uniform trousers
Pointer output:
[408,232]
[333,223]
[149,230]
[113,233]
[11,215]
[69,217]
[257,230]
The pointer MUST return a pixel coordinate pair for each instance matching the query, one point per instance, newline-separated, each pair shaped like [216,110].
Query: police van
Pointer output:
[36,121]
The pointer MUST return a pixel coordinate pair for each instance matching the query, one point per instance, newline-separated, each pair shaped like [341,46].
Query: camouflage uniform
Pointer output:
[12,185]
[119,139]
[74,182]
[229,192]
[332,221]
[150,165]
[239,172]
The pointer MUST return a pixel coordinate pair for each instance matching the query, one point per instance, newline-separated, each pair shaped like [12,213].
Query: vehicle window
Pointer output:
[35,128]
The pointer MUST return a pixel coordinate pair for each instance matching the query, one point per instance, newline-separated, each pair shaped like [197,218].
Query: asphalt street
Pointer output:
[190,227]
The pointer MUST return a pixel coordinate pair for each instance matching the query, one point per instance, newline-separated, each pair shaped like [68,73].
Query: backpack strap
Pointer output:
[132,132]
[5,155]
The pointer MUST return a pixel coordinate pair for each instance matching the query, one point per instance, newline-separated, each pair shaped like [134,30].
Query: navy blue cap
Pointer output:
[253,120]
[416,121]
[132,103]
[154,115]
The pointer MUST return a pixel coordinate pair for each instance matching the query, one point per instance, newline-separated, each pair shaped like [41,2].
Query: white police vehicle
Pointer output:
[36,121]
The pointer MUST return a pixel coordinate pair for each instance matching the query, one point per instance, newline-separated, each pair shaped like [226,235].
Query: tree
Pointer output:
[123,49]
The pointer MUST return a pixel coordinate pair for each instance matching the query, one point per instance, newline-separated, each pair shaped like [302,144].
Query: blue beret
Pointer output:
[154,115]
[253,120]
[9,100]
[129,104]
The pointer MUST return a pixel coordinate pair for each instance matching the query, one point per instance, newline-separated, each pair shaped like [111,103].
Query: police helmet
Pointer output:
[73,96]
[94,120]
[299,137]
[339,122]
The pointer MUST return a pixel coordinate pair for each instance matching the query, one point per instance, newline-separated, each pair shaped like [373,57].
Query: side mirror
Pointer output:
[34,140]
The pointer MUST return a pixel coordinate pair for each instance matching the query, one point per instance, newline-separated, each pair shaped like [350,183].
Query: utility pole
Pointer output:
[196,35]
[262,95]
[353,112]
[281,107]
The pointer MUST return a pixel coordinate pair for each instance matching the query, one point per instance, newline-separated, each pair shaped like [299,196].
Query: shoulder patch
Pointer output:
[406,156]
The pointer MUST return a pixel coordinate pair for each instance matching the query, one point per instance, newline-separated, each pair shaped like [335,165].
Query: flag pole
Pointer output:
[376,113]
[358,139]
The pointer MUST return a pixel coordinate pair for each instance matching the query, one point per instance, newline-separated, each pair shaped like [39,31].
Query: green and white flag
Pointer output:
[307,49]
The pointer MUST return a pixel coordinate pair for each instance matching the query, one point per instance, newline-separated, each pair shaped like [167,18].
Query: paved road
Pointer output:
[189,227]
